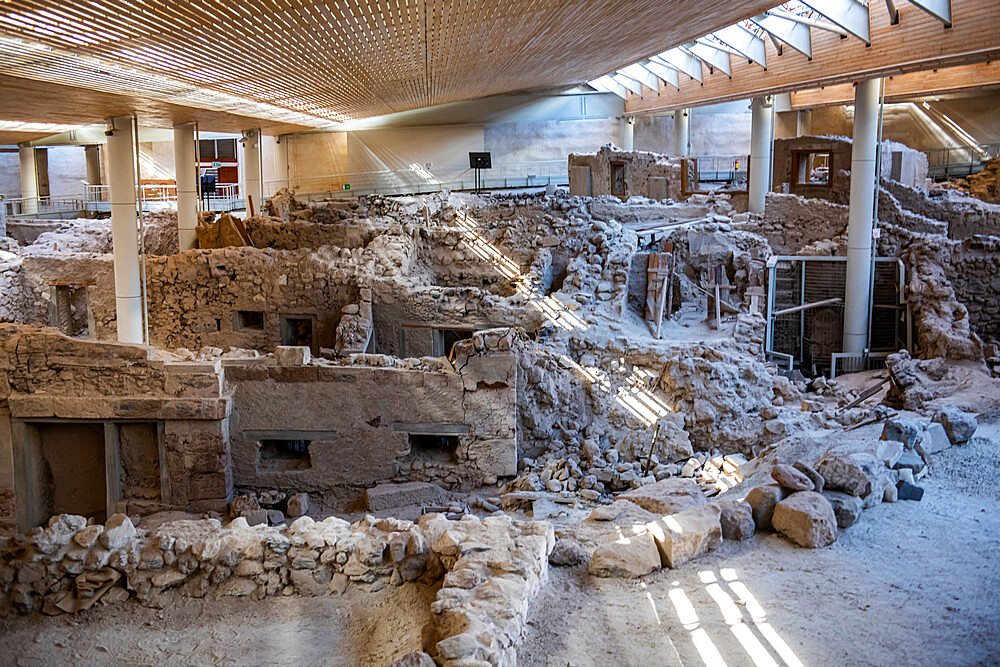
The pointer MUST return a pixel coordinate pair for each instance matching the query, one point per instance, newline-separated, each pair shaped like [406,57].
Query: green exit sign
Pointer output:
[216,164]
[346,186]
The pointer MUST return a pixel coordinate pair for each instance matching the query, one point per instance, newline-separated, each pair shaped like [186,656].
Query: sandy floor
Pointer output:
[359,628]
[910,583]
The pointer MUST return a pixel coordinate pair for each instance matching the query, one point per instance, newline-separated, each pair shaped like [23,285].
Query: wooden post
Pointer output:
[718,308]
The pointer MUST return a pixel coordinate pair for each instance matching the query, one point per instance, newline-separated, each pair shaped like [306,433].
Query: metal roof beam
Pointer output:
[642,75]
[749,45]
[806,21]
[682,61]
[608,85]
[628,82]
[792,33]
[665,73]
[712,56]
[939,9]
[850,15]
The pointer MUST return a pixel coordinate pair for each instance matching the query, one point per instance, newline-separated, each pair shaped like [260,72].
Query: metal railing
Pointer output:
[959,161]
[420,180]
[43,207]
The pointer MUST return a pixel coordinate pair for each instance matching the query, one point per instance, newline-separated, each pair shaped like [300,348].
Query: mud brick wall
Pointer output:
[640,167]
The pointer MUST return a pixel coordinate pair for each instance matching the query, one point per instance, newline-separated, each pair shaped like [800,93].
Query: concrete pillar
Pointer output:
[761,124]
[251,164]
[187,186]
[861,218]
[124,231]
[803,126]
[682,132]
[29,179]
[281,162]
[93,157]
[628,134]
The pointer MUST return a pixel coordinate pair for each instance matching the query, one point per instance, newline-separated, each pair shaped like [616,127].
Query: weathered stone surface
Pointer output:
[415,659]
[807,519]
[688,534]
[667,496]
[846,508]
[935,440]
[902,429]
[292,355]
[907,491]
[762,500]
[810,472]
[298,505]
[633,555]
[790,478]
[958,424]
[117,532]
[736,518]
[854,473]
[387,496]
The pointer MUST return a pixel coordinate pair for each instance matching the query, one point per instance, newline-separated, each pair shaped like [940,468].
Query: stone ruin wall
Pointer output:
[487,570]
[650,175]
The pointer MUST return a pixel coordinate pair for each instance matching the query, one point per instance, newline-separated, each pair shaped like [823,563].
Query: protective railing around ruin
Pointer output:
[420,180]
[157,196]
[959,161]
[41,207]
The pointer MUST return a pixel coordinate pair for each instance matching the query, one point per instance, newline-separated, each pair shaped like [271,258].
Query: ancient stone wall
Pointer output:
[838,187]
[489,570]
[966,216]
[647,174]
[46,376]
[358,417]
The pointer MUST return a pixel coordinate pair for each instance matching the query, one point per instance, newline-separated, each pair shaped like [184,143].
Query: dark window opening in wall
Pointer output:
[284,455]
[445,339]
[66,471]
[297,331]
[439,448]
[811,168]
[248,320]
[69,310]
[211,150]
[618,179]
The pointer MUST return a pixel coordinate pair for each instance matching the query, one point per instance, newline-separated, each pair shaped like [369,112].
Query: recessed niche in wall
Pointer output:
[297,331]
[444,339]
[811,168]
[284,455]
[439,448]
[248,320]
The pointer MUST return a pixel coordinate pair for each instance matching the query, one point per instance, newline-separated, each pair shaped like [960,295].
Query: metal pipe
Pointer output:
[187,186]
[761,127]
[860,226]
[125,240]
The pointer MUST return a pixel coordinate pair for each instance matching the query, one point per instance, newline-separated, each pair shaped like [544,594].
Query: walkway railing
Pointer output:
[419,180]
[958,162]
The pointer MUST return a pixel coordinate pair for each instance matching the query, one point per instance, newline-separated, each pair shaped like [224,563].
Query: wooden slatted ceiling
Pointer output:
[345,59]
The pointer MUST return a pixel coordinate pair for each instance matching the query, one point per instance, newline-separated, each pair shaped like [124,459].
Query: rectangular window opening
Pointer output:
[445,339]
[618,179]
[297,331]
[284,455]
[811,168]
[248,320]
[438,448]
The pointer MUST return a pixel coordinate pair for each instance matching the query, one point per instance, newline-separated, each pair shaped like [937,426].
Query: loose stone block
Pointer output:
[387,496]
[807,519]
[688,534]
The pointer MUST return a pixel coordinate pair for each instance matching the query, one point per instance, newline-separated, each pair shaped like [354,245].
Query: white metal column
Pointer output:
[803,123]
[187,186]
[29,179]
[92,154]
[251,163]
[628,134]
[861,217]
[281,162]
[124,231]
[761,135]
[682,131]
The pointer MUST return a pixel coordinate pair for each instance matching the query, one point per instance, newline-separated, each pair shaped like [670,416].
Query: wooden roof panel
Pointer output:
[344,59]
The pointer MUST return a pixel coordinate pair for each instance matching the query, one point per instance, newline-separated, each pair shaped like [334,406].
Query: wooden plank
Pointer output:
[917,43]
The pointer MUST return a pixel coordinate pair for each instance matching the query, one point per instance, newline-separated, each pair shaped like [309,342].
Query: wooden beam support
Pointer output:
[919,42]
